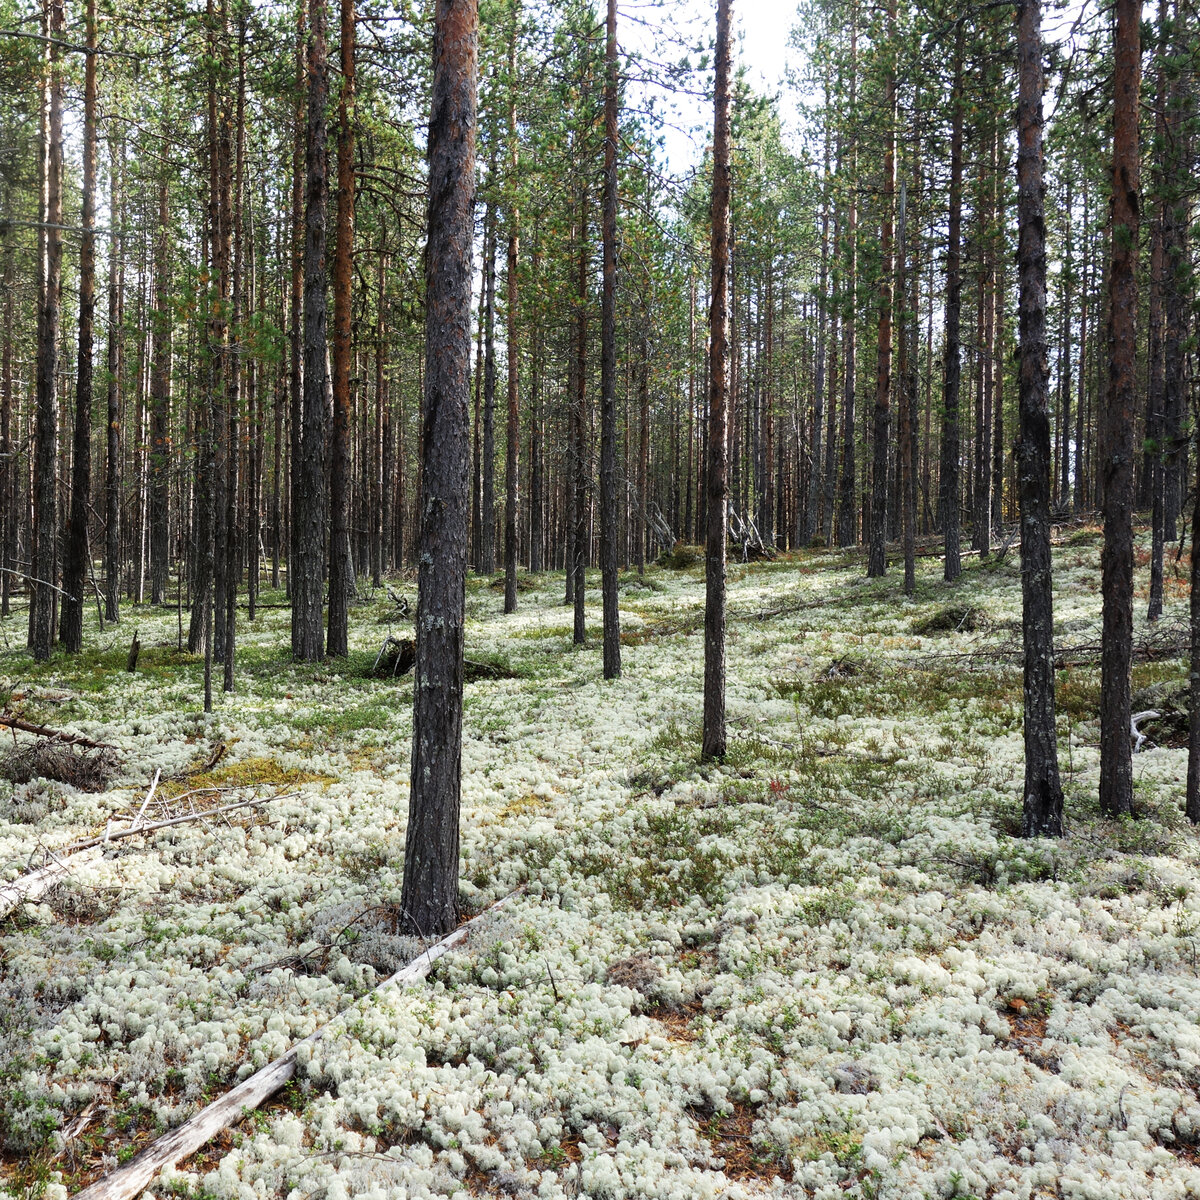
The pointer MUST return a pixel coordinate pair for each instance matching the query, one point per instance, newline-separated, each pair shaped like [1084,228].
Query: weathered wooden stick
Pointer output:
[34,884]
[68,739]
[128,1181]
[149,796]
[31,886]
[135,829]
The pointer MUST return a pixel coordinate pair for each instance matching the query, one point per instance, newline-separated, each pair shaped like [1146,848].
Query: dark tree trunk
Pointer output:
[877,550]
[847,514]
[1000,286]
[430,891]
[232,219]
[981,513]
[766,526]
[341,568]
[477,426]
[714,743]
[160,405]
[689,485]
[512,493]
[45,455]
[381,478]
[608,363]
[254,419]
[1193,768]
[641,518]
[812,510]
[1080,489]
[1156,366]
[8,466]
[1176,292]
[949,486]
[75,560]
[1043,803]
[487,561]
[296,306]
[537,528]
[309,495]
[1116,763]
[907,377]
[226,376]
[580,474]
[1065,347]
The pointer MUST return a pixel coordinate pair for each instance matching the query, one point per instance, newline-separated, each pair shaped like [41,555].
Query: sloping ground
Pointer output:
[825,969]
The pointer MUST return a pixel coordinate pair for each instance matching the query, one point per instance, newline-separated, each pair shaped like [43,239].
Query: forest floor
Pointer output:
[826,968]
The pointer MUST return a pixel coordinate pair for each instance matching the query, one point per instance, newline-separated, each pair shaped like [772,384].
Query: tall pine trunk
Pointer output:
[608,362]
[429,898]
[45,455]
[512,458]
[75,560]
[487,558]
[341,567]
[581,460]
[877,549]
[949,482]
[1043,800]
[296,303]
[114,362]
[1117,451]
[160,404]
[8,468]
[714,737]
[309,494]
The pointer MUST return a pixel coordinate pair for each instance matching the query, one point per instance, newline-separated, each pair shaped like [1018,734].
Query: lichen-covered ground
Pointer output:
[826,968]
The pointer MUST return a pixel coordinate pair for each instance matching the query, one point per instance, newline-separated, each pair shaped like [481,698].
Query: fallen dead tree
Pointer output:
[1162,642]
[9,721]
[128,1181]
[38,881]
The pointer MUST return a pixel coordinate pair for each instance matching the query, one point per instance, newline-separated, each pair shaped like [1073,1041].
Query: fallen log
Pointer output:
[153,826]
[8,721]
[35,883]
[128,1181]
[32,886]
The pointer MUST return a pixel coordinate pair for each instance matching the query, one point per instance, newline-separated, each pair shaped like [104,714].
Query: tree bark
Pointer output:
[1156,366]
[714,737]
[45,459]
[487,562]
[309,495]
[1116,763]
[608,362]
[296,305]
[8,466]
[430,890]
[877,549]
[810,525]
[907,376]
[847,514]
[75,560]
[232,219]
[581,462]
[160,404]
[512,458]
[949,483]
[341,568]
[1043,799]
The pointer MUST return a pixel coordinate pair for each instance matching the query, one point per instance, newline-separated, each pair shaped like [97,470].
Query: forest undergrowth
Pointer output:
[825,968]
